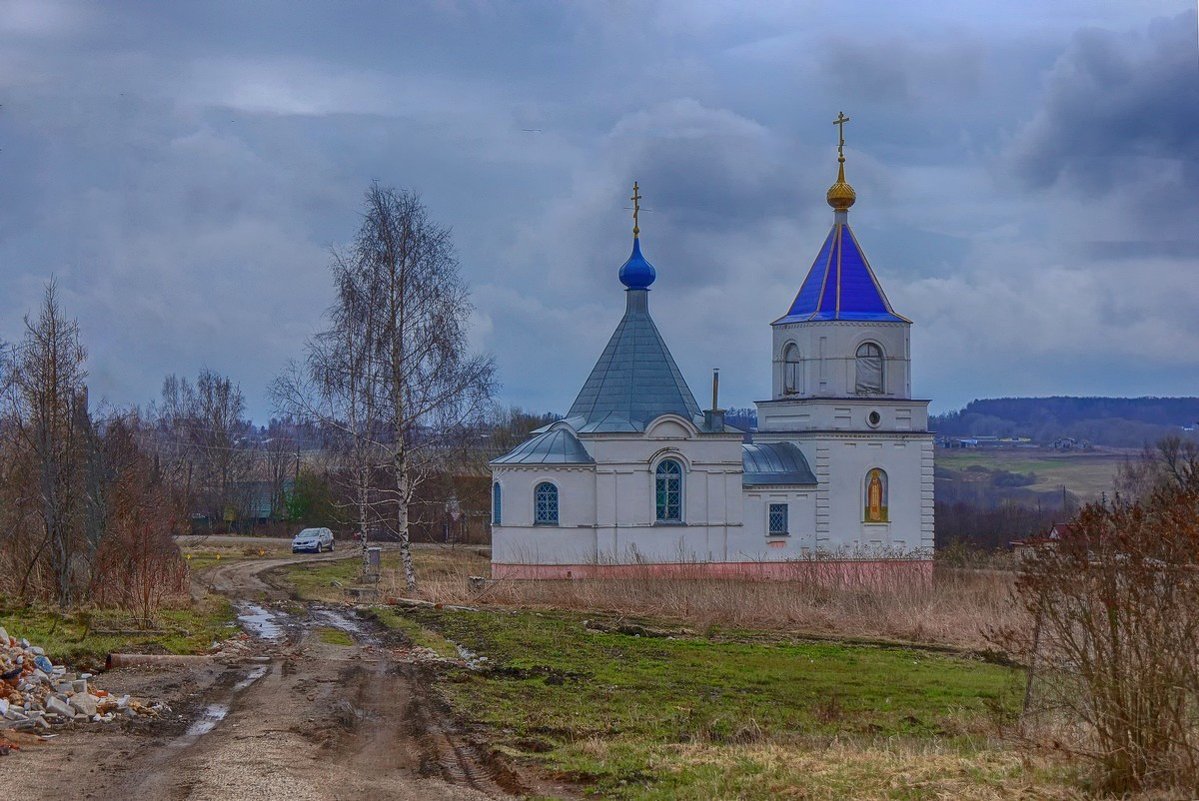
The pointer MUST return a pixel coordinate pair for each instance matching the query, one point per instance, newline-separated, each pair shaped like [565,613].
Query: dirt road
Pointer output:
[242,579]
[322,705]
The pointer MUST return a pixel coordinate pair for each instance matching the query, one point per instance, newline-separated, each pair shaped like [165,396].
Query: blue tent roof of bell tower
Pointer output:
[841,285]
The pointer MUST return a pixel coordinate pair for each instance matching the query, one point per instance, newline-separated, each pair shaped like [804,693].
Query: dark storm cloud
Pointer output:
[901,71]
[183,170]
[1119,107]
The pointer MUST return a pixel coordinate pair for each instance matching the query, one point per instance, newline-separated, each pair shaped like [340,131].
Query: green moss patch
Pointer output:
[332,636]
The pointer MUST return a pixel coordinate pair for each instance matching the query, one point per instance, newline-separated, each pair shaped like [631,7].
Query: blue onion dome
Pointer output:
[637,273]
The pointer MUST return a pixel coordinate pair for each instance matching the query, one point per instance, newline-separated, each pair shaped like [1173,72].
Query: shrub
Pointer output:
[1116,637]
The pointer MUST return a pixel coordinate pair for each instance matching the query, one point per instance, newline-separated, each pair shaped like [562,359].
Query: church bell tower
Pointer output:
[842,392]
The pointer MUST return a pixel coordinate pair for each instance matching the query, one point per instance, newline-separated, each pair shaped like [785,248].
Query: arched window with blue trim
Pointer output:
[668,492]
[545,504]
[497,506]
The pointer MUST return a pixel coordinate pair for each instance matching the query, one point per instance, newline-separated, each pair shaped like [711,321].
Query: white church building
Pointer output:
[637,479]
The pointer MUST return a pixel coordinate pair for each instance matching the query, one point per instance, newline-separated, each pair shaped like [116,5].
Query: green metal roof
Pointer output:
[774,463]
[634,381]
[557,446]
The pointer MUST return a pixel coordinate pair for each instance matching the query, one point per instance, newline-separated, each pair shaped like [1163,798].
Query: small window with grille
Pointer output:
[778,520]
[545,505]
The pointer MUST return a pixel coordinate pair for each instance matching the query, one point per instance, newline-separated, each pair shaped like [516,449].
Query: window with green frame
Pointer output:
[668,492]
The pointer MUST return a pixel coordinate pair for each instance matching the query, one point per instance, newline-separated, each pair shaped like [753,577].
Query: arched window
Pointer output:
[792,383]
[668,492]
[875,509]
[870,369]
[545,504]
[496,504]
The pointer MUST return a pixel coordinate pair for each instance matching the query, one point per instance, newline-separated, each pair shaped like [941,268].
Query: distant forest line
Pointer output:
[1106,422]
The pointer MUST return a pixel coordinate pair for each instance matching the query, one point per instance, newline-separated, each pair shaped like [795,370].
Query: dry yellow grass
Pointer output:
[868,771]
[956,608]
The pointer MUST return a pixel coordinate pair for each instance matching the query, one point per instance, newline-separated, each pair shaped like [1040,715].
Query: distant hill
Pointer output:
[1110,422]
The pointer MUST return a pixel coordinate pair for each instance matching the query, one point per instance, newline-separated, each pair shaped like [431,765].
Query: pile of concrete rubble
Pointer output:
[37,695]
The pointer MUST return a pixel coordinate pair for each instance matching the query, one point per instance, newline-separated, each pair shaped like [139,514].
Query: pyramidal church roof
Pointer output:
[635,379]
[840,284]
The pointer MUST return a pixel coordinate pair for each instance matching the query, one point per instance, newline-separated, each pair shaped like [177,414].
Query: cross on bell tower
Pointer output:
[636,198]
[840,123]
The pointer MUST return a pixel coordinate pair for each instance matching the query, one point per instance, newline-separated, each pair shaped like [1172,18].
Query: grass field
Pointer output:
[722,702]
[183,626]
[80,637]
[746,717]
[328,581]
[1087,475]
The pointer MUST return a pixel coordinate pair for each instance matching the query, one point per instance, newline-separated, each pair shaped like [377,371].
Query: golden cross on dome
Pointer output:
[636,198]
[840,122]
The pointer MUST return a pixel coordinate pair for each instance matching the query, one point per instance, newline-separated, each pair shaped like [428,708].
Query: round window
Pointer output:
[874,418]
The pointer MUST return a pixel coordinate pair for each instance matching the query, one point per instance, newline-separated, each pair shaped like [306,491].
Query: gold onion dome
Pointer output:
[841,195]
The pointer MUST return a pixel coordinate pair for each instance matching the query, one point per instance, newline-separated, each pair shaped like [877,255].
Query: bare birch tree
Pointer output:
[394,369]
[432,385]
[338,386]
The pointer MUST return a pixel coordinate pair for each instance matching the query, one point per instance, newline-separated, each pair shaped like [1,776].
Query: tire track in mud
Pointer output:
[317,721]
[293,718]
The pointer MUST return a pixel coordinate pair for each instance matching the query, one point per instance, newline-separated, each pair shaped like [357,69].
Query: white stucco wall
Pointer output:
[753,542]
[840,414]
[841,462]
[607,510]
[828,357]
[518,539]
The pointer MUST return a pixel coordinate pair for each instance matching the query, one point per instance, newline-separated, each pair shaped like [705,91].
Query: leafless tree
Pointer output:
[138,563]
[432,385]
[1172,461]
[1115,647]
[282,461]
[81,504]
[203,443]
[394,368]
[338,387]
[46,410]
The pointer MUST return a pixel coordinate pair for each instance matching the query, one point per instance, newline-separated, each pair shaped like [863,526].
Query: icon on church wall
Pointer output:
[876,496]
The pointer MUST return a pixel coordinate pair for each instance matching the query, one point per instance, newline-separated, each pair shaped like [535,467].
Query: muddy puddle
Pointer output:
[260,622]
[214,713]
[340,620]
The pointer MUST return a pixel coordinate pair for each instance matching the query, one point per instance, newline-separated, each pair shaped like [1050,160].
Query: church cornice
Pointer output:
[862,400]
[784,323]
[548,467]
[874,433]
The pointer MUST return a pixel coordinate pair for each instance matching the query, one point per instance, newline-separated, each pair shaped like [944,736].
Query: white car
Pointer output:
[313,539]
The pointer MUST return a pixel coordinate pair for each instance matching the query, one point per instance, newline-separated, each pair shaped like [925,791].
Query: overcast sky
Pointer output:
[1027,178]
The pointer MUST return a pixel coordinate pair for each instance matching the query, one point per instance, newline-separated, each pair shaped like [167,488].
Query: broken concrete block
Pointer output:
[59,707]
[84,703]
